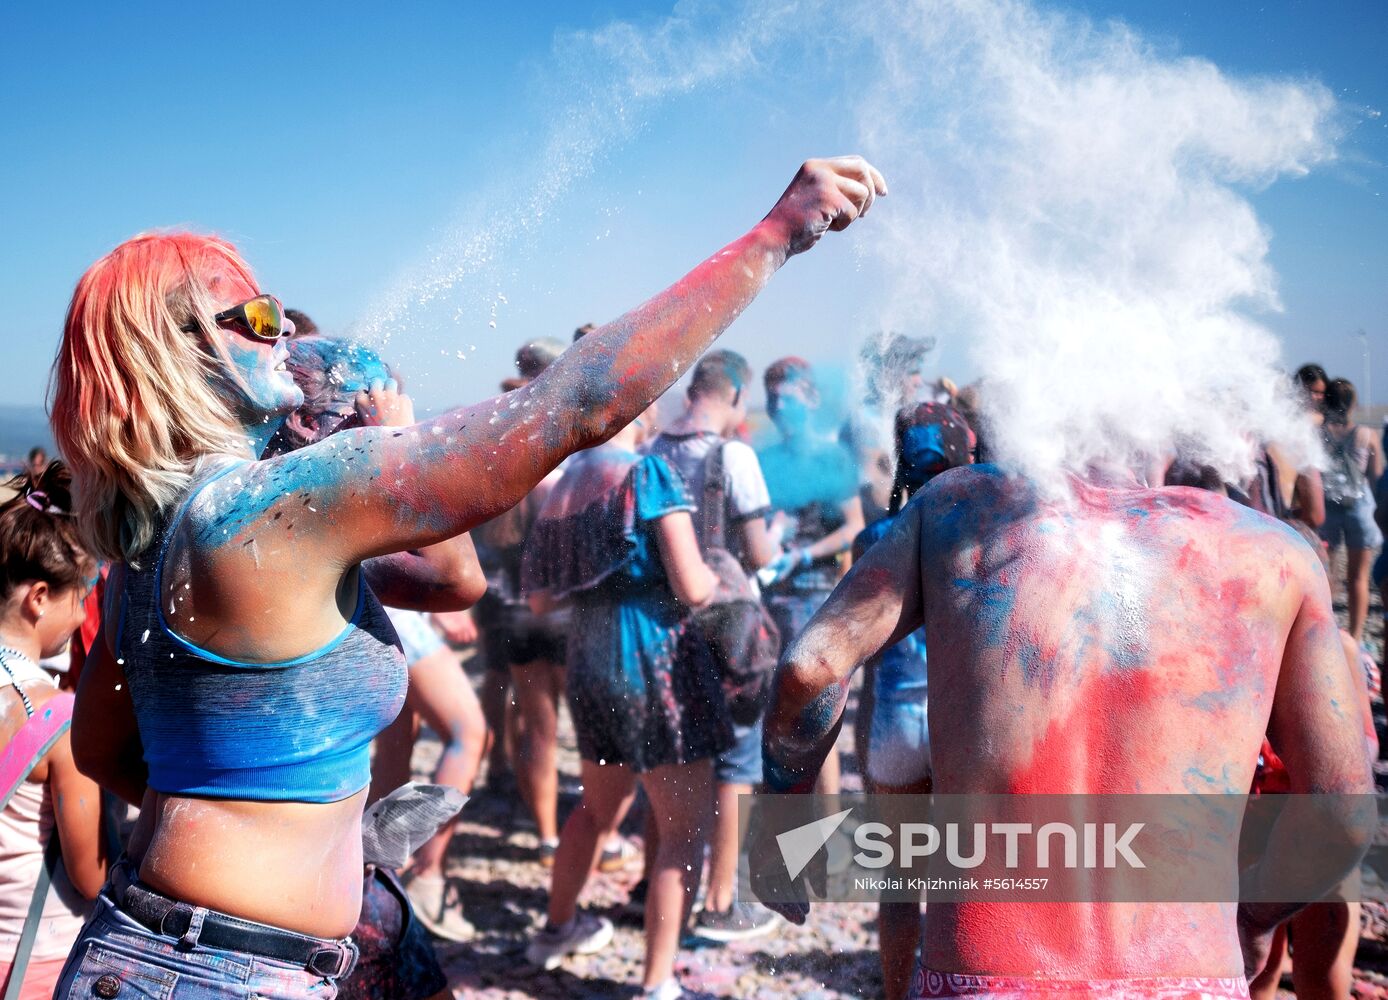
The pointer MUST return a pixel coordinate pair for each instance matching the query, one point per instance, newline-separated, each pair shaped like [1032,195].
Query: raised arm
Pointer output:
[442,577]
[877,604]
[371,491]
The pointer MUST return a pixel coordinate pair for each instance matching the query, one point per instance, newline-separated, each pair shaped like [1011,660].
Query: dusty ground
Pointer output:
[833,956]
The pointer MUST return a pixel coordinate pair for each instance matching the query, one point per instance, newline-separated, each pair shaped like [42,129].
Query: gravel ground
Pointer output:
[493,859]
[833,956]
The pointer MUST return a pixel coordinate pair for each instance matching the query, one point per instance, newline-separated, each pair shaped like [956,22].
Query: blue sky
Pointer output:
[338,150]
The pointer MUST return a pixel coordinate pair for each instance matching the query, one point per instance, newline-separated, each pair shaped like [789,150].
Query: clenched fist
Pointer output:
[825,194]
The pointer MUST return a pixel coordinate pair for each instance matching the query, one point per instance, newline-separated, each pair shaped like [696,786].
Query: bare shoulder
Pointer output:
[253,522]
[1265,538]
[250,498]
[970,500]
[979,486]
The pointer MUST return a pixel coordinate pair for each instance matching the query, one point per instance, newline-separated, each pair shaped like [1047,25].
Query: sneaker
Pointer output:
[585,935]
[438,906]
[737,923]
[672,990]
[618,854]
[546,852]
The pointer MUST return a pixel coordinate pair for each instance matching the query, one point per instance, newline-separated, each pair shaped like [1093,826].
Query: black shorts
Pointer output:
[513,635]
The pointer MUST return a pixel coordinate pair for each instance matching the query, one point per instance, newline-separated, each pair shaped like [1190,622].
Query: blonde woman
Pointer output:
[258,661]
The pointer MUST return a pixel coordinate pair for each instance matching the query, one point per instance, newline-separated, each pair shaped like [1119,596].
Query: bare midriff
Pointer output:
[294,865]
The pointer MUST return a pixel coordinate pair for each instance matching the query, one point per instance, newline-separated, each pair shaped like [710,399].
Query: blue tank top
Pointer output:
[295,731]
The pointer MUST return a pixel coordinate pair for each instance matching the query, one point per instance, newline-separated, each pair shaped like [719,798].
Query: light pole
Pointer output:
[1368,387]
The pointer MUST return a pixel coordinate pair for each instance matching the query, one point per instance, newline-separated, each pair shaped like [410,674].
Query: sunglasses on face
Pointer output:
[261,318]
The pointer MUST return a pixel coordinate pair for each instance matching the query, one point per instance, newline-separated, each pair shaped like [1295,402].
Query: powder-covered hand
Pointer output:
[783,566]
[384,404]
[825,194]
[771,882]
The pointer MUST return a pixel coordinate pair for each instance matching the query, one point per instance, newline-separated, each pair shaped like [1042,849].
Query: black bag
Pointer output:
[745,641]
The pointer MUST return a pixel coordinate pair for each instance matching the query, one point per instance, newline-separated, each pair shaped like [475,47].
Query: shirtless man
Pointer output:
[1119,640]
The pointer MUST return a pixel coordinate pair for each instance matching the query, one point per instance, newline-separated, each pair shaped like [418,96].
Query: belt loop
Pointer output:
[343,955]
[189,940]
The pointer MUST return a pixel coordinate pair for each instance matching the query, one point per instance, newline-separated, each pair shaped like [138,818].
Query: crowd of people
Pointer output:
[255,567]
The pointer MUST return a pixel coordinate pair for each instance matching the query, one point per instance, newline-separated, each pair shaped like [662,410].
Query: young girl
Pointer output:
[45,576]
[1355,464]
[258,661]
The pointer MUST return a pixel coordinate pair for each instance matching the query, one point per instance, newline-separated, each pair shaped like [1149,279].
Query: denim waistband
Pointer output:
[193,925]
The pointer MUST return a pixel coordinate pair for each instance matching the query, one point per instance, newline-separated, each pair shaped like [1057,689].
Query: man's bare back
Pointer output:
[1115,641]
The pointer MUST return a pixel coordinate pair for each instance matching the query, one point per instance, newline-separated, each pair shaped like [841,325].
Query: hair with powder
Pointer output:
[720,372]
[135,401]
[789,369]
[331,371]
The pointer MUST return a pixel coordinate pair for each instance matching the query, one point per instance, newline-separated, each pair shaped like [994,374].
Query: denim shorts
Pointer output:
[899,730]
[117,956]
[417,637]
[1352,524]
[898,741]
[740,764]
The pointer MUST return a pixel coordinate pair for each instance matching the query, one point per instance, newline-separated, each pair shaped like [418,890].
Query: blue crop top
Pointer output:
[295,731]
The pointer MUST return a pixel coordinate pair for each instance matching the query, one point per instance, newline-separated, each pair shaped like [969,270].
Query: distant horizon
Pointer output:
[16,421]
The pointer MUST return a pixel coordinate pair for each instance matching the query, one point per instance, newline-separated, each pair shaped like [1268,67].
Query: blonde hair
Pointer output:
[135,401]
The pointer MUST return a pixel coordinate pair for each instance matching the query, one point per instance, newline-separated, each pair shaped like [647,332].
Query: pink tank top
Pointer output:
[26,823]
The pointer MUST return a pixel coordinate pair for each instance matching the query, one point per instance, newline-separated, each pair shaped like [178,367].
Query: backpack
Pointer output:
[744,640]
[1344,480]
